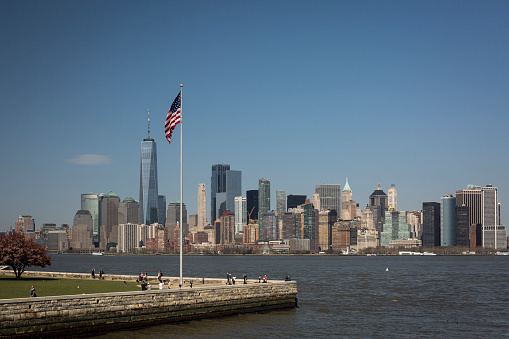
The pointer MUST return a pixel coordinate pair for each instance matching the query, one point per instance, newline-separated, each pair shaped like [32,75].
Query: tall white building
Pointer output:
[240,214]
[493,234]
[127,237]
[392,196]
[202,207]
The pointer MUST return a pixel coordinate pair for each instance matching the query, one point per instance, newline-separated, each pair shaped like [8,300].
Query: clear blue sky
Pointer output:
[411,93]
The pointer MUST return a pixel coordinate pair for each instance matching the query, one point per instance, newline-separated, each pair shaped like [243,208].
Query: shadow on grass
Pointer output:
[25,278]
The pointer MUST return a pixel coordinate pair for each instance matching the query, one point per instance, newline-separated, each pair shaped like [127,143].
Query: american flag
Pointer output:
[173,117]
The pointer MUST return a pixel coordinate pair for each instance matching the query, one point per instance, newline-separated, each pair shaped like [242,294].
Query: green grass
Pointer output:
[11,288]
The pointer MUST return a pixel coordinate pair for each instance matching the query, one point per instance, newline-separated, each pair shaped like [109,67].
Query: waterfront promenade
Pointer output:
[94,313]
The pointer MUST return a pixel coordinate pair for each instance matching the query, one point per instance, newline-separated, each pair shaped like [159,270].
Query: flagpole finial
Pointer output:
[180,85]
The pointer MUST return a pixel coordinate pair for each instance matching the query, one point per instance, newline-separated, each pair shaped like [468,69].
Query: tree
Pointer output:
[19,253]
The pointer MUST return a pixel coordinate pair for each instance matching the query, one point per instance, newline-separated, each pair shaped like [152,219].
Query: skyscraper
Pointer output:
[329,196]
[346,198]
[378,203]
[493,234]
[280,208]
[448,220]
[281,203]
[173,216]
[109,219]
[483,210]
[316,201]
[233,188]
[430,224]
[471,197]
[395,227]
[217,185]
[225,185]
[161,208]
[325,221]
[462,226]
[292,224]
[263,201]
[270,228]
[92,202]
[393,197]
[202,207]
[490,214]
[227,228]
[294,200]
[240,214]
[252,204]
[310,221]
[349,207]
[128,211]
[148,181]
[82,231]
[25,224]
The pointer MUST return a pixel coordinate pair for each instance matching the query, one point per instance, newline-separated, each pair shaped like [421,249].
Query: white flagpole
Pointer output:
[181,225]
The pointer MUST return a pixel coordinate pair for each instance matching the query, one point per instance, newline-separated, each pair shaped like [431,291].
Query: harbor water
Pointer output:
[339,296]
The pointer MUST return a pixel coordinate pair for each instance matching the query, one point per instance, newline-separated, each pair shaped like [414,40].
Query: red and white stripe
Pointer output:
[172,119]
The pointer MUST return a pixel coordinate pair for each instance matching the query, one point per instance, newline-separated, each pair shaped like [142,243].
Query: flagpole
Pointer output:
[181,225]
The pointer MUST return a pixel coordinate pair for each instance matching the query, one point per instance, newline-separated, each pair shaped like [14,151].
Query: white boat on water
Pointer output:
[97,253]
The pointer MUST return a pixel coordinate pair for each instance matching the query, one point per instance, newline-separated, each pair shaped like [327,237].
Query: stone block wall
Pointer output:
[81,314]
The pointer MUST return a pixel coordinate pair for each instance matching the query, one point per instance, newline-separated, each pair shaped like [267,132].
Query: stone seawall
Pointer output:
[95,313]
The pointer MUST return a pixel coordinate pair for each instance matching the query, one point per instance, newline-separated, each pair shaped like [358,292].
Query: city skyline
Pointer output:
[426,82]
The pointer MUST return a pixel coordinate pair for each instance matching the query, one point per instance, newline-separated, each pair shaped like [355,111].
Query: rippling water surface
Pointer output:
[347,296]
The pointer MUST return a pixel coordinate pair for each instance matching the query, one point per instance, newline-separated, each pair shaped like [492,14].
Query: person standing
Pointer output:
[159,276]
[227,278]
[32,292]
[233,279]
[245,278]
[93,273]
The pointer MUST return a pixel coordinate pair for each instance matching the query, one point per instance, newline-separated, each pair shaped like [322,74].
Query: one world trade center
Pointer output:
[148,181]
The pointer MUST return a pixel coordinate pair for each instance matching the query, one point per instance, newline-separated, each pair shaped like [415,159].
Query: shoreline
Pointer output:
[83,314]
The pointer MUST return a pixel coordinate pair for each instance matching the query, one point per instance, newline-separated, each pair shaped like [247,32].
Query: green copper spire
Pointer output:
[347,187]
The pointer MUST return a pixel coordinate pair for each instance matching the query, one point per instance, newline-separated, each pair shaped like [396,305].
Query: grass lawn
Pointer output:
[12,288]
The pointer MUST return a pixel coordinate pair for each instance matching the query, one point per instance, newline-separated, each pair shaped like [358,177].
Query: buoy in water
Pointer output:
[387,269]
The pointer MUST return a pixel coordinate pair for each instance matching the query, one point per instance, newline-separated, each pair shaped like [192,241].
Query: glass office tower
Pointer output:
[92,202]
[148,183]
[217,185]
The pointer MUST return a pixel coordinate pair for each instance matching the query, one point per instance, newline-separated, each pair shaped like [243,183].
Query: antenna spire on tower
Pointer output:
[149,123]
